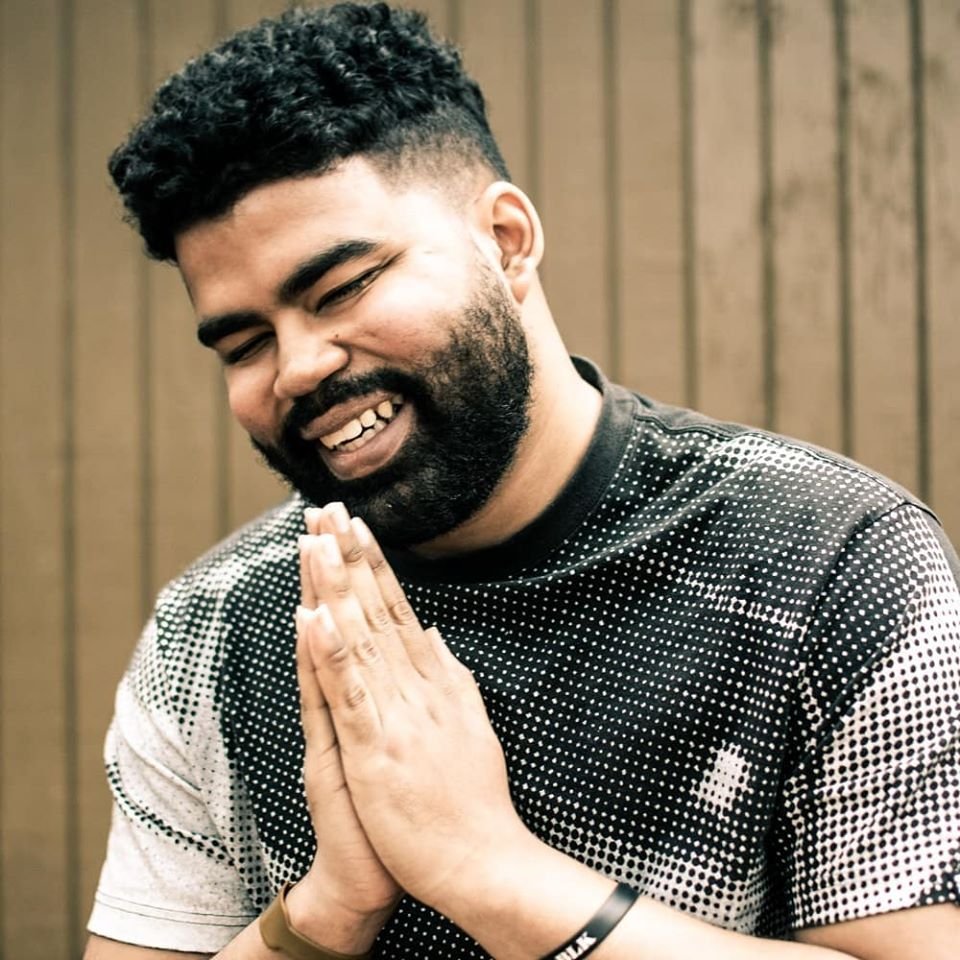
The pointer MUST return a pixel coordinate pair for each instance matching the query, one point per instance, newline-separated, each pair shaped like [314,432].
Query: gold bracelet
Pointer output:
[279,935]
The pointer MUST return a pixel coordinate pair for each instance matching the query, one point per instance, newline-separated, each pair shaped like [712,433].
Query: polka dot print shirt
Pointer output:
[724,667]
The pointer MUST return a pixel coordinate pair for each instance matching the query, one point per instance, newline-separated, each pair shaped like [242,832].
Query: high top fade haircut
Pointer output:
[292,97]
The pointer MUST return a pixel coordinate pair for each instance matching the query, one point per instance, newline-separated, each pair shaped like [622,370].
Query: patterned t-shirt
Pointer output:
[724,667]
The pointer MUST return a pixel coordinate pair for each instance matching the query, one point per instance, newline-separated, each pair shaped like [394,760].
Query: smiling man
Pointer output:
[688,689]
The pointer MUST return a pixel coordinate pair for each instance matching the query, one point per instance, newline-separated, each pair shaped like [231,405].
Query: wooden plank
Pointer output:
[941,80]
[648,188]
[804,185]
[186,476]
[178,30]
[250,487]
[35,778]
[107,402]
[572,172]
[727,185]
[245,13]
[493,34]
[438,14]
[883,252]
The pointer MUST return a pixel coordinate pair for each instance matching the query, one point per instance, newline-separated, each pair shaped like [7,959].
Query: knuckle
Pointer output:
[353,555]
[355,696]
[339,655]
[402,613]
[449,687]
[464,674]
[367,650]
[340,588]
[380,619]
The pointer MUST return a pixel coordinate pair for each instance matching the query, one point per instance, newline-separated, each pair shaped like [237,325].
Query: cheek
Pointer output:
[411,316]
[253,404]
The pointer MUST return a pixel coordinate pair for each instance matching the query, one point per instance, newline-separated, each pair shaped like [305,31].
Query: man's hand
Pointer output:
[346,872]
[424,768]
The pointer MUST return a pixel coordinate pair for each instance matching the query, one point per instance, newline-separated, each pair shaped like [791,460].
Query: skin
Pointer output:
[399,751]
[428,246]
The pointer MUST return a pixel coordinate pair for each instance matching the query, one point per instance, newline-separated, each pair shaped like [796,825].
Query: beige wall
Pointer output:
[750,207]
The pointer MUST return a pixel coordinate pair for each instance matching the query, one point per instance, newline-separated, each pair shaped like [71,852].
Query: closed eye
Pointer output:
[350,289]
[246,349]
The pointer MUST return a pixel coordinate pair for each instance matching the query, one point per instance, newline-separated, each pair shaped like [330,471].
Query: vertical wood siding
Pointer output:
[752,206]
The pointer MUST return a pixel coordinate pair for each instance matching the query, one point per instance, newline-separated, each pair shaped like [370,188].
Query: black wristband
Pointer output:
[587,939]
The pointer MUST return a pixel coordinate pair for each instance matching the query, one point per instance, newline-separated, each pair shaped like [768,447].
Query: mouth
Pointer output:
[360,430]
[367,441]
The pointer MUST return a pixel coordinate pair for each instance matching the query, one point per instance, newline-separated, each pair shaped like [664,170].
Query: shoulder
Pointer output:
[761,480]
[247,577]
[263,549]
[233,595]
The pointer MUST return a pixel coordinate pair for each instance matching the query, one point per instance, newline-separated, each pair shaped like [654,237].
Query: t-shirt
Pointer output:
[724,667]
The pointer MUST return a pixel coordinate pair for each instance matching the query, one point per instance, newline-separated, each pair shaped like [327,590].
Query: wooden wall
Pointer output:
[752,206]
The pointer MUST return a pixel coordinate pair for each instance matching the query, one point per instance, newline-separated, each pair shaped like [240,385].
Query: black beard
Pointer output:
[471,402]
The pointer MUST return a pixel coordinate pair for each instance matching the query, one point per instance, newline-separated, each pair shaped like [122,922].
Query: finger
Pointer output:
[312,517]
[308,593]
[336,584]
[335,593]
[364,585]
[313,705]
[419,647]
[323,774]
[343,681]
[462,680]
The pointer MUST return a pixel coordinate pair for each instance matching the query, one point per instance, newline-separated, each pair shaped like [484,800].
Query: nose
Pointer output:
[306,355]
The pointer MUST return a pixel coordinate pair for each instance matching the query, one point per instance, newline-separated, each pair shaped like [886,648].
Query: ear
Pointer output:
[507,217]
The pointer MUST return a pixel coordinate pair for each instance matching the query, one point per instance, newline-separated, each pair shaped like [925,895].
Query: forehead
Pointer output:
[277,224]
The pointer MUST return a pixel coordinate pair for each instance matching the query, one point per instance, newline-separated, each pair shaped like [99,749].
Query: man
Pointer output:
[713,665]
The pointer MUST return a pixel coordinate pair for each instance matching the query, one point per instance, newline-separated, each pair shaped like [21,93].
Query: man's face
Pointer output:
[369,350]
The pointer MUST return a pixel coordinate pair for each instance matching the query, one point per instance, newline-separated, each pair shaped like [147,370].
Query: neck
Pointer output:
[563,417]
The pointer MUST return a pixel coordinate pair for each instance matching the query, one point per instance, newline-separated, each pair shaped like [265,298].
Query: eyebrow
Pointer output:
[212,329]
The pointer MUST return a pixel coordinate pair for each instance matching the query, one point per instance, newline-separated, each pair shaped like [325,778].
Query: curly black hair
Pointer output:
[294,96]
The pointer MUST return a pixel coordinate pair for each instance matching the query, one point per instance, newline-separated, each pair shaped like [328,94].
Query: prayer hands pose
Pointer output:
[404,775]
[346,870]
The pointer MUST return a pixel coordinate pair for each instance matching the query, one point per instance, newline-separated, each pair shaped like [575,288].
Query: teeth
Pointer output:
[372,419]
[352,430]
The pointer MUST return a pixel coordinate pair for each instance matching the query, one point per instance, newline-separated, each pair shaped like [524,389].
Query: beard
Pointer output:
[471,400]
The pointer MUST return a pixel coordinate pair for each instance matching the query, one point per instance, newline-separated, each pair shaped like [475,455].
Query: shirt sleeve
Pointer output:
[168,881]
[872,807]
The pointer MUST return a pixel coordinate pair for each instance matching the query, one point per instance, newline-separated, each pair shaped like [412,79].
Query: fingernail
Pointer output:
[361,531]
[302,614]
[326,618]
[311,517]
[337,512]
[329,549]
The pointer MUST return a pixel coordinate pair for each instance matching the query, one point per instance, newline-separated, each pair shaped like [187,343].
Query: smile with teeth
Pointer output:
[362,429]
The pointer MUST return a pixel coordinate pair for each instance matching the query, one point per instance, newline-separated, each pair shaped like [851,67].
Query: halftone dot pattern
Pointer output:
[724,668]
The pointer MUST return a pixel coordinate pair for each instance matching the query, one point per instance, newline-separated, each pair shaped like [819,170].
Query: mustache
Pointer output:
[335,391]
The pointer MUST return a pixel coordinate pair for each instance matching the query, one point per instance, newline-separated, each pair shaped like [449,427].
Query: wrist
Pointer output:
[484,881]
[524,898]
[333,924]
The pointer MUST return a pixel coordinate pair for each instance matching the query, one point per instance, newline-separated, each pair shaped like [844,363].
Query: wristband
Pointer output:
[598,926]
[279,935]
